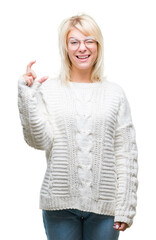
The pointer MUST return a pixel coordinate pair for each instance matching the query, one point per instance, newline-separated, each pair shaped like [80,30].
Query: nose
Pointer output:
[82,47]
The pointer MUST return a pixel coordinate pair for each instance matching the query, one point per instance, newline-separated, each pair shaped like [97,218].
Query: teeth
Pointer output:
[83,57]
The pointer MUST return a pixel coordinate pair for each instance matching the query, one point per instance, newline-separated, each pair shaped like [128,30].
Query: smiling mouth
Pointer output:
[83,57]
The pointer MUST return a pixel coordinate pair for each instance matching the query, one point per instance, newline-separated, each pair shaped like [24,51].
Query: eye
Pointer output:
[90,41]
[73,42]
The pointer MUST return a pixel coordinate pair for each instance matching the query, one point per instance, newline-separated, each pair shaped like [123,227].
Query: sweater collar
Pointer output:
[84,85]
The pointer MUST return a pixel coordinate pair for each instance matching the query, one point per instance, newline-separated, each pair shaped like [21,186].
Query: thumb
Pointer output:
[43,79]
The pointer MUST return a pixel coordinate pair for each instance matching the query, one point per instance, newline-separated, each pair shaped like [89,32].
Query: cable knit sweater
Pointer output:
[83,96]
[87,134]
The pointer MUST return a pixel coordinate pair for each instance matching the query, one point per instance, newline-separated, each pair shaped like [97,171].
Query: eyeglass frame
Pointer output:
[79,41]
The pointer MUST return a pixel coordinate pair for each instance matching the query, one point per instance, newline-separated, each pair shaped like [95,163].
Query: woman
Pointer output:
[84,124]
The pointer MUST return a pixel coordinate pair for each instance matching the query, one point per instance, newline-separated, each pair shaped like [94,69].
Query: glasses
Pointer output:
[74,43]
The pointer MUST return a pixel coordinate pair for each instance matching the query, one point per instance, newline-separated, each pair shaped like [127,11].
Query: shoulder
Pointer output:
[113,87]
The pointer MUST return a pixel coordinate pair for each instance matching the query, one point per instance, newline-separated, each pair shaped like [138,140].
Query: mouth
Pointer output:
[83,57]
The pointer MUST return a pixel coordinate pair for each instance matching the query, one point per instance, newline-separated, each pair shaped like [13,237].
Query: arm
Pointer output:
[34,117]
[126,165]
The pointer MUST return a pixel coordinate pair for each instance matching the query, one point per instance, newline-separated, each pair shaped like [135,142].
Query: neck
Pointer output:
[80,75]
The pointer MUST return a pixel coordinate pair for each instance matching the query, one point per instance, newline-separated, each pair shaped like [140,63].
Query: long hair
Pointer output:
[89,27]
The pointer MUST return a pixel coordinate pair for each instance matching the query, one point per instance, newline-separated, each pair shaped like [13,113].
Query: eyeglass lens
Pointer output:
[75,43]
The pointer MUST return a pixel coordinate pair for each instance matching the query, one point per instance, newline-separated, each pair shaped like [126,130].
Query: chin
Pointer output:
[83,66]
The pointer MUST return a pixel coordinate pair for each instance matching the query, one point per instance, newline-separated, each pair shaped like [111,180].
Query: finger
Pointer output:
[28,80]
[31,80]
[28,83]
[41,80]
[32,73]
[117,225]
[123,227]
[28,69]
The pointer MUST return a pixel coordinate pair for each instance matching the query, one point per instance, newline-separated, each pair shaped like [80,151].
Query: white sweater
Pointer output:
[83,96]
[88,136]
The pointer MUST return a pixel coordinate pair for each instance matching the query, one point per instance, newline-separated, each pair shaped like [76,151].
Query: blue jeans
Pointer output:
[73,224]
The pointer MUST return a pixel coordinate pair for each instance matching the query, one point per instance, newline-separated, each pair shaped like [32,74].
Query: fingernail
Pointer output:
[117,226]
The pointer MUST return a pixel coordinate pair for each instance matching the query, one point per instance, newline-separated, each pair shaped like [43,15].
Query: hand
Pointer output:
[30,75]
[120,226]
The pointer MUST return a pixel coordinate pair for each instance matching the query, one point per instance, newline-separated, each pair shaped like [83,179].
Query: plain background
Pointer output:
[29,31]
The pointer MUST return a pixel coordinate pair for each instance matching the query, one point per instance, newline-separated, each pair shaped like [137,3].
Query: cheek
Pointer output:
[71,55]
[94,55]
[71,58]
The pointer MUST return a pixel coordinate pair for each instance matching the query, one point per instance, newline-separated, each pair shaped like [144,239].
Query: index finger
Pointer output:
[29,66]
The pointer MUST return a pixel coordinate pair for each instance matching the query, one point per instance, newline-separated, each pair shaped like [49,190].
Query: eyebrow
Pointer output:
[87,38]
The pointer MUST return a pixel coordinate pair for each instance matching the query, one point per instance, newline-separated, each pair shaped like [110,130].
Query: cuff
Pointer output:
[123,219]
[22,83]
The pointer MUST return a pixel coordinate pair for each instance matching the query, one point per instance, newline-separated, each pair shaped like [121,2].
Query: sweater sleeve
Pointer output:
[126,164]
[37,128]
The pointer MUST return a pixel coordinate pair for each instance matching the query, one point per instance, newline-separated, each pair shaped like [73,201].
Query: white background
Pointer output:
[29,32]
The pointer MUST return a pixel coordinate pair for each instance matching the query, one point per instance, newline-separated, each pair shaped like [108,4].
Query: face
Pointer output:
[82,54]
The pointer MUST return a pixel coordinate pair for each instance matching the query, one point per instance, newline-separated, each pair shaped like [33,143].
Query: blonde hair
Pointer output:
[89,27]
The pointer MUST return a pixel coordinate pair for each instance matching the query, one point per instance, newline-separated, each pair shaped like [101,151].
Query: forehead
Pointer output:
[75,33]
